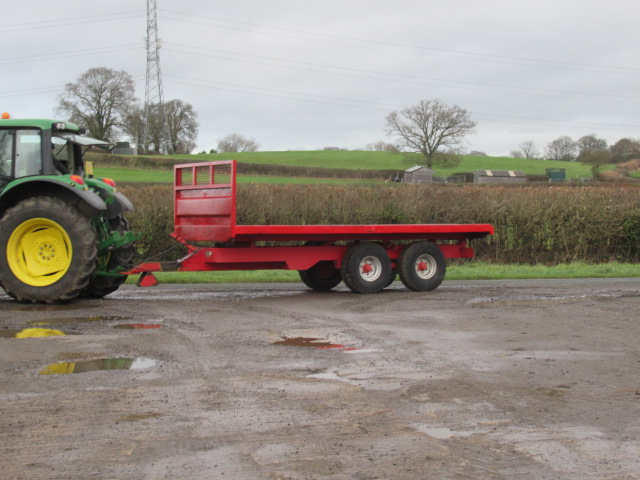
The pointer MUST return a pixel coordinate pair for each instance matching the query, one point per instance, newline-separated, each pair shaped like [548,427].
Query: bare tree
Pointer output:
[381,146]
[430,128]
[133,127]
[516,154]
[591,143]
[183,125]
[98,100]
[529,149]
[237,143]
[562,148]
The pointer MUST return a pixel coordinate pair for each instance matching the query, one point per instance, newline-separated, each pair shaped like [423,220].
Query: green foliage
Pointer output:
[596,159]
[543,224]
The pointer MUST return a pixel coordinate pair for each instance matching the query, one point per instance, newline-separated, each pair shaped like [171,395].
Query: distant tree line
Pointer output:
[588,149]
[103,101]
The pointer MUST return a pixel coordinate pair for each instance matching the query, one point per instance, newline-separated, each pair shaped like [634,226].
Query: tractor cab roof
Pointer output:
[67,130]
[41,123]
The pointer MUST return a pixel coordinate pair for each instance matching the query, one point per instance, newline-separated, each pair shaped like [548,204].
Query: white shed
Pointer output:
[418,174]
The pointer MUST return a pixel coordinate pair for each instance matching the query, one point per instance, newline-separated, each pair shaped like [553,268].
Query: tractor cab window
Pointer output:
[6,153]
[28,153]
[63,155]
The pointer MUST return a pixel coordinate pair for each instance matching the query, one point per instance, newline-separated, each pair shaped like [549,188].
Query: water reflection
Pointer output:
[99,364]
[31,333]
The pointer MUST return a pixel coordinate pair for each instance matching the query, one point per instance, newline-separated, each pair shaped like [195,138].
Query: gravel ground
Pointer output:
[476,380]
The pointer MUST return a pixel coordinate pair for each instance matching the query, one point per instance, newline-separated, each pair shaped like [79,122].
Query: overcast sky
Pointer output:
[306,74]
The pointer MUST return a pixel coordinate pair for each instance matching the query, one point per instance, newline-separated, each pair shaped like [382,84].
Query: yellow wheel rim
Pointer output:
[39,252]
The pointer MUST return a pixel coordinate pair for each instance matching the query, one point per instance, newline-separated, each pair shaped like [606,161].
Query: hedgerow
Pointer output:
[548,224]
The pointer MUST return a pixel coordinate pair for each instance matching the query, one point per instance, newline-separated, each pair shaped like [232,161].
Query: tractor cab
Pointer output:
[42,147]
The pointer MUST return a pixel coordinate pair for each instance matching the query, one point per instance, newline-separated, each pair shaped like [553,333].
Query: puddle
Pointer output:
[314,343]
[99,364]
[138,326]
[93,318]
[33,333]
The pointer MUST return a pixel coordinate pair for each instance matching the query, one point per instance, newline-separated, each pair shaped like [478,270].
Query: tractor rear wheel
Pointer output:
[121,258]
[47,251]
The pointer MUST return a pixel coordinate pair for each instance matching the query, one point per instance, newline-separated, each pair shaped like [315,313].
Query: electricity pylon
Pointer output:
[153,84]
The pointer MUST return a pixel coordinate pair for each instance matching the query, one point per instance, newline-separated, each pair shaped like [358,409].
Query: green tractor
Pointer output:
[62,231]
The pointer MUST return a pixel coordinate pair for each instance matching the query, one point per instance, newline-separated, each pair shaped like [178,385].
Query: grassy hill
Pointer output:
[139,168]
[362,160]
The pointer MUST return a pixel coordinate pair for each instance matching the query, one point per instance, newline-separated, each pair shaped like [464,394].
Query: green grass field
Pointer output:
[360,160]
[466,271]
[351,160]
[142,175]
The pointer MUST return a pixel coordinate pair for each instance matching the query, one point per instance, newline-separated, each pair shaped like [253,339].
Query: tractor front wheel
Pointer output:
[47,251]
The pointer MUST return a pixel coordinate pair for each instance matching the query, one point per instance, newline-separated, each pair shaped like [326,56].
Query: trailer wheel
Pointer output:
[422,266]
[47,251]
[392,277]
[366,268]
[322,277]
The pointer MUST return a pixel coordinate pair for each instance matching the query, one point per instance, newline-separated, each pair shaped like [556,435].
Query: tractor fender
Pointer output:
[115,201]
[119,205]
[88,202]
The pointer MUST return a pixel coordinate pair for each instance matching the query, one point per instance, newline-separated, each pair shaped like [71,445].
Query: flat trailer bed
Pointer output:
[366,257]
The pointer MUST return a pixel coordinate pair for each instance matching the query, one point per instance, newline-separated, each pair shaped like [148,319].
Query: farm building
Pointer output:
[418,174]
[124,148]
[499,176]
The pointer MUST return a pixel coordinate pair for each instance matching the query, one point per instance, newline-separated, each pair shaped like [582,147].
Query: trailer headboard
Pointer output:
[205,201]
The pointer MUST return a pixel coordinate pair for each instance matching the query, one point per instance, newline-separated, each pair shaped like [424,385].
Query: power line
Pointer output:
[71,53]
[417,49]
[458,33]
[65,22]
[396,77]
[372,105]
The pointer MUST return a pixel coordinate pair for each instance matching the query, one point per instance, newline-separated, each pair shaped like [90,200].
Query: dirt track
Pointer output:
[477,380]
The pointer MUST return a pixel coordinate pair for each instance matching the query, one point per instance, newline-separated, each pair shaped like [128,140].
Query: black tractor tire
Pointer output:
[100,285]
[47,251]
[366,268]
[422,266]
[321,277]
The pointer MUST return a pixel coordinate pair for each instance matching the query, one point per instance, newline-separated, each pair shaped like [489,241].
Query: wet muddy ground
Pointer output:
[477,380]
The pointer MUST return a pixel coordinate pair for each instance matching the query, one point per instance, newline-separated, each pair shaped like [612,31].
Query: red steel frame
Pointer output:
[205,211]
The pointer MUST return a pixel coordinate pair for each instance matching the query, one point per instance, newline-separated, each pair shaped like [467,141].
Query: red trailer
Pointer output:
[366,257]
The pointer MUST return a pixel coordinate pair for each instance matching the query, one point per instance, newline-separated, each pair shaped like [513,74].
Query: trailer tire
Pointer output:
[322,277]
[47,251]
[422,266]
[366,268]
[392,277]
